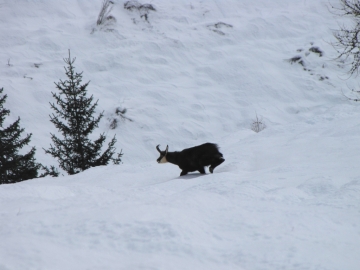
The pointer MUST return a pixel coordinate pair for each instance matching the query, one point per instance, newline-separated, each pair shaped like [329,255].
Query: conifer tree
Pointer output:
[14,167]
[74,119]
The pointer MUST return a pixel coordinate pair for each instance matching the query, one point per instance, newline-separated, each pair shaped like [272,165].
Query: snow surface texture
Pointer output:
[190,72]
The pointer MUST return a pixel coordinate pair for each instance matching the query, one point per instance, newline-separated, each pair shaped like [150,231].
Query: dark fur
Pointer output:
[195,158]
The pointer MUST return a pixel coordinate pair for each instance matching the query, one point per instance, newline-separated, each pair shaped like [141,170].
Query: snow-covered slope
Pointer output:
[196,71]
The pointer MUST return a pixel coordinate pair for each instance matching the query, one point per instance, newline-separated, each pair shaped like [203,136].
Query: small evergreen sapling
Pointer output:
[13,166]
[74,119]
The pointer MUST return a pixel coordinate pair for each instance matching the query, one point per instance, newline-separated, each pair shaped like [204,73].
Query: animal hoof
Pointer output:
[211,169]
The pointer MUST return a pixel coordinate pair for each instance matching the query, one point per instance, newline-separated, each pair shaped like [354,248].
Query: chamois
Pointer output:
[194,158]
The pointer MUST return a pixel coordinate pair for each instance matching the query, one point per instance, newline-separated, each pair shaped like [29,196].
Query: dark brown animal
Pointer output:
[193,159]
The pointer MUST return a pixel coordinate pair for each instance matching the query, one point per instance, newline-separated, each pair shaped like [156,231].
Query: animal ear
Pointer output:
[166,150]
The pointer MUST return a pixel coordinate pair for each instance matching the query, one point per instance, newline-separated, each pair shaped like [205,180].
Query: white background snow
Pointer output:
[285,198]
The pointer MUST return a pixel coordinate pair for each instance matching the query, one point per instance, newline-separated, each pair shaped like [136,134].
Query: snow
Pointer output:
[198,71]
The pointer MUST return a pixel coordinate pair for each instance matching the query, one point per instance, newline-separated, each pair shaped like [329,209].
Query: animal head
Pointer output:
[162,158]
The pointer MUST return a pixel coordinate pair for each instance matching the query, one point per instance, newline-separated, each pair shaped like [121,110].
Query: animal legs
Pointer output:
[216,163]
[183,173]
[201,170]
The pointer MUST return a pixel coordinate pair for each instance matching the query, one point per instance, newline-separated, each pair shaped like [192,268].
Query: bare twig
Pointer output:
[349,98]
[115,121]
[105,12]
[348,42]
[258,125]
[121,113]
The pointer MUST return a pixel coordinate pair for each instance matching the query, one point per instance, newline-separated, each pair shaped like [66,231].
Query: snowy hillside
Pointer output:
[188,72]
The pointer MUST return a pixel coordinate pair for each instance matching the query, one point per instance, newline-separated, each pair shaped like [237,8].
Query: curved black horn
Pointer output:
[157,148]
